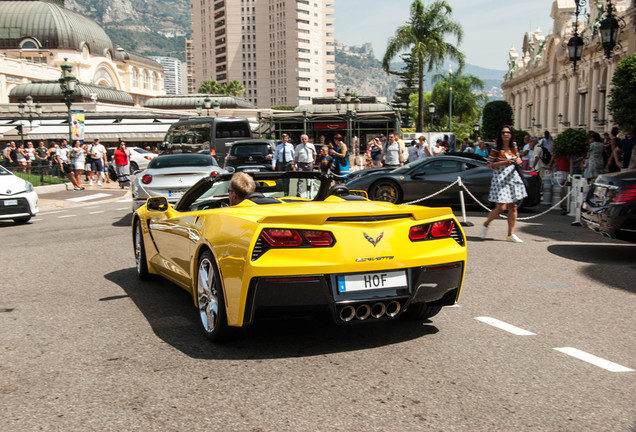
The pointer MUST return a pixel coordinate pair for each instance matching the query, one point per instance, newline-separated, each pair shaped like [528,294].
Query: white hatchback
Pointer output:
[18,199]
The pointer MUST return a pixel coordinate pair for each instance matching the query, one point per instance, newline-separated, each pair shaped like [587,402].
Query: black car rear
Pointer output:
[610,206]
[251,155]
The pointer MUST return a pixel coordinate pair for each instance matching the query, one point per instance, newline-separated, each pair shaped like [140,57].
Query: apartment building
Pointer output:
[282,51]
[172,75]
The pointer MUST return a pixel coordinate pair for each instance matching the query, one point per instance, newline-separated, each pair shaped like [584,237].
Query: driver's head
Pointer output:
[241,185]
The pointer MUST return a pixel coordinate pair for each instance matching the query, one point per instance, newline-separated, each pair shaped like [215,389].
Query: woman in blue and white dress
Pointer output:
[506,187]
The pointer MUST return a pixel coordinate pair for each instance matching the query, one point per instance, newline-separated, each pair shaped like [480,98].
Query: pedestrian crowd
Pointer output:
[83,163]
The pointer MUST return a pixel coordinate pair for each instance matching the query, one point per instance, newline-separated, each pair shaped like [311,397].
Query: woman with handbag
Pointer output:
[506,188]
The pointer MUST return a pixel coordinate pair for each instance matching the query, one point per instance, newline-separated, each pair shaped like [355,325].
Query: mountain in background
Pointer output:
[159,28]
[359,70]
[146,27]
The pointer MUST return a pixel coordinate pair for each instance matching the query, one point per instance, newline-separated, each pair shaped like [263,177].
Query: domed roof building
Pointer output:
[36,37]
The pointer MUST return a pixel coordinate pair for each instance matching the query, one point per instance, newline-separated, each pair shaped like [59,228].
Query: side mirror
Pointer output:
[230,169]
[158,203]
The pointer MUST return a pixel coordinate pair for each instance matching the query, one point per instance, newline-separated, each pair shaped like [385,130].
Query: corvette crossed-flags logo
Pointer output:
[373,242]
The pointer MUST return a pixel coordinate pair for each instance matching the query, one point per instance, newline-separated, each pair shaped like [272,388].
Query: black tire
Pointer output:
[141,264]
[420,311]
[386,190]
[134,167]
[209,299]
[21,220]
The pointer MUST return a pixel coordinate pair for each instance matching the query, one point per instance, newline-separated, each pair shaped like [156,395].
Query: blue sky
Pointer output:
[490,27]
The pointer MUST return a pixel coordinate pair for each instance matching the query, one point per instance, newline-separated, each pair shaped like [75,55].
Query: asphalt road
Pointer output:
[86,346]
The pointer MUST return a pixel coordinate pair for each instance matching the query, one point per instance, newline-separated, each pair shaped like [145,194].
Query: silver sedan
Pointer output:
[172,175]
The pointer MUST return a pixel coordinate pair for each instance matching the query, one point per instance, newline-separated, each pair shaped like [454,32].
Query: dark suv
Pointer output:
[251,155]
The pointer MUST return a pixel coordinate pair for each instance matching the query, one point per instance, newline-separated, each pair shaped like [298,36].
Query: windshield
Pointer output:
[246,150]
[184,159]
[408,166]
[4,171]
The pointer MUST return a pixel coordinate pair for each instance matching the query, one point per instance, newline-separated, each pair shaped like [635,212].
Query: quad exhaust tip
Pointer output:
[363,311]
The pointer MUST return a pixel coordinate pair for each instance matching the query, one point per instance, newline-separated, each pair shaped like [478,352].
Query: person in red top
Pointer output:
[561,168]
[121,158]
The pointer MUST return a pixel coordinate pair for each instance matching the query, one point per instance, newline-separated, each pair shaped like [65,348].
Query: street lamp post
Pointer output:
[32,109]
[349,115]
[450,97]
[199,107]
[207,103]
[431,109]
[217,108]
[476,130]
[68,84]
[305,122]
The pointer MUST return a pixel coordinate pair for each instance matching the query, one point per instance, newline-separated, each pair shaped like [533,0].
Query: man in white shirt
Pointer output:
[97,152]
[304,160]
[62,156]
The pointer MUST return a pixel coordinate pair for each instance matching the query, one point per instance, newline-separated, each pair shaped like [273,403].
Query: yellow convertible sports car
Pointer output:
[324,251]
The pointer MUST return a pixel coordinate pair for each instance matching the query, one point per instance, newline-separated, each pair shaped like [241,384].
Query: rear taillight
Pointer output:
[624,196]
[214,173]
[318,238]
[435,230]
[282,237]
[146,179]
[213,152]
[276,237]
[147,158]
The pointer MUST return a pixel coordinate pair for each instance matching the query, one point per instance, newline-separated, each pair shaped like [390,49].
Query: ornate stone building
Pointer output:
[542,86]
[36,37]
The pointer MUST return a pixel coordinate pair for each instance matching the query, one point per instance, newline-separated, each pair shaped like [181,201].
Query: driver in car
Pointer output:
[241,185]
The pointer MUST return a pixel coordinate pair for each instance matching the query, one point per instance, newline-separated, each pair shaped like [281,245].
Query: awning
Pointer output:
[106,132]
[7,128]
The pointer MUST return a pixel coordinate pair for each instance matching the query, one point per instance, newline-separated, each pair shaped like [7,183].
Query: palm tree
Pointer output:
[467,102]
[235,88]
[424,36]
[211,87]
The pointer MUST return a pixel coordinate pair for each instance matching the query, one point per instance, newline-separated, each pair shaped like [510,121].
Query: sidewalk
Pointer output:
[53,197]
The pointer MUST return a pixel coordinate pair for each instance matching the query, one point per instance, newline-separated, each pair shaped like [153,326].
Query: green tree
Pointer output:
[235,88]
[496,115]
[402,96]
[622,103]
[212,87]
[424,36]
[467,101]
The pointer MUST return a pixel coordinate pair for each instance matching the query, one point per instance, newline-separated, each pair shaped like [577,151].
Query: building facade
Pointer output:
[542,85]
[34,49]
[283,52]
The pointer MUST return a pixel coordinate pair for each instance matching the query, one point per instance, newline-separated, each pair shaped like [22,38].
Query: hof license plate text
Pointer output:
[371,281]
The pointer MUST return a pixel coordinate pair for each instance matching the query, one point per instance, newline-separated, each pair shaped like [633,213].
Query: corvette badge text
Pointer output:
[380,258]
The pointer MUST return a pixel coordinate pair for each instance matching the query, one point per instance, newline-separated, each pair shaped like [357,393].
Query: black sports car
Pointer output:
[424,177]
[610,206]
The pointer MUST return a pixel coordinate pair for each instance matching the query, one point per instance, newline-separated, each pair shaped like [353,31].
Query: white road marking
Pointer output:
[35,220]
[124,200]
[596,361]
[52,212]
[96,212]
[123,208]
[89,197]
[505,326]
[66,216]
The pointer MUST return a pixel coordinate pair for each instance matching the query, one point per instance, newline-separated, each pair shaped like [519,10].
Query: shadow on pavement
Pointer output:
[172,316]
[125,220]
[612,265]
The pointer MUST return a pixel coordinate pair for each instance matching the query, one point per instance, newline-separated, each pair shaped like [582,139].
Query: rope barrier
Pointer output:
[463,186]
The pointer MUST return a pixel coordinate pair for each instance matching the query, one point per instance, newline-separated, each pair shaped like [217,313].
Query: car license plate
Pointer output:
[252,170]
[10,202]
[371,281]
[175,194]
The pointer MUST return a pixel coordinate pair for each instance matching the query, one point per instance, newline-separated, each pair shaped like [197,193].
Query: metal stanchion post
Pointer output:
[464,222]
